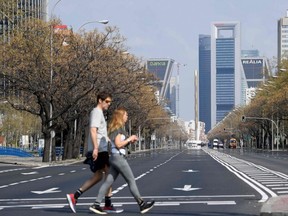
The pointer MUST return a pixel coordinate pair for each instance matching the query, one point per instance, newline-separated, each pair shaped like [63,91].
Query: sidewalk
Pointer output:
[275,206]
[34,161]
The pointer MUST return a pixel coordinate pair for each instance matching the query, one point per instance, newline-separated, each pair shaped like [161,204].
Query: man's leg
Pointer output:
[72,198]
[98,175]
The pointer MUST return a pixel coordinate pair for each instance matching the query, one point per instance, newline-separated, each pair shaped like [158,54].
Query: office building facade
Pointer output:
[173,95]
[204,78]
[16,13]
[162,69]
[255,71]
[283,38]
[225,69]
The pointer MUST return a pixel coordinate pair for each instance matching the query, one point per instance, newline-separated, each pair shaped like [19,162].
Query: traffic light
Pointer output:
[243,118]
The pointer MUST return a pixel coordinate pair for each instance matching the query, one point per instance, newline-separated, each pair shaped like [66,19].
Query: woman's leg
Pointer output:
[122,166]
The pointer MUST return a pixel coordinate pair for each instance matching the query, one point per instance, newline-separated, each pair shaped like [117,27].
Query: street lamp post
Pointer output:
[96,21]
[52,132]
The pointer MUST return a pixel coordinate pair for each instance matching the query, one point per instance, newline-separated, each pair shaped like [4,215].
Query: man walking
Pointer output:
[98,151]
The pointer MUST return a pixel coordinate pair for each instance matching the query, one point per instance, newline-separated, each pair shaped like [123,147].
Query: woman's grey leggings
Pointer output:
[119,165]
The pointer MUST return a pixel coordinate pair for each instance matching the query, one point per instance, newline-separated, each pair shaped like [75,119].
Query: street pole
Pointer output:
[52,132]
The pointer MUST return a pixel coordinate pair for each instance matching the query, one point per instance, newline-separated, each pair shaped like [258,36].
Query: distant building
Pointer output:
[162,69]
[249,53]
[283,37]
[190,128]
[173,95]
[255,71]
[14,15]
[249,94]
[204,77]
[225,69]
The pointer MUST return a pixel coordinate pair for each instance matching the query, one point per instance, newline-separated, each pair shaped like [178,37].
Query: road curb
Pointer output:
[275,206]
[35,161]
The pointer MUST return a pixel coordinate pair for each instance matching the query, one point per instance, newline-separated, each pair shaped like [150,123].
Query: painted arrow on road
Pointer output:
[190,171]
[51,190]
[186,188]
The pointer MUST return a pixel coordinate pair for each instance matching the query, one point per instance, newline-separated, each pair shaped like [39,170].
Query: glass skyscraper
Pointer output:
[225,69]
[205,80]
[16,13]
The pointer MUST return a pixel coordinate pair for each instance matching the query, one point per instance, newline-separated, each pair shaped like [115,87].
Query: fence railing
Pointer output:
[14,152]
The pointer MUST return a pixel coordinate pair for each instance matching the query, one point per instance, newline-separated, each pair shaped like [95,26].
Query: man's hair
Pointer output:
[103,96]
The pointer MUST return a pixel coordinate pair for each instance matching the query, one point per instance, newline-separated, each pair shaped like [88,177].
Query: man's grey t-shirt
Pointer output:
[97,120]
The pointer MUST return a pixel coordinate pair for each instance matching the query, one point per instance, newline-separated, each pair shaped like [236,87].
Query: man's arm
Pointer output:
[93,133]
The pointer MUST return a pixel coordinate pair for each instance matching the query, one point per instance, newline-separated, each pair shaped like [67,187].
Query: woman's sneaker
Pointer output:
[97,209]
[146,206]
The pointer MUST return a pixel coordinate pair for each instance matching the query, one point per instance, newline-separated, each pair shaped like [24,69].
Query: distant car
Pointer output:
[220,145]
[215,143]
[194,145]
[233,143]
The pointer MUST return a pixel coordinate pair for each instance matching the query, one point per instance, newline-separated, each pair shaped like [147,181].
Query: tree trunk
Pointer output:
[46,150]
[78,139]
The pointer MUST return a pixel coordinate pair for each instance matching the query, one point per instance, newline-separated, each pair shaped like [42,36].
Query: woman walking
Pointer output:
[118,162]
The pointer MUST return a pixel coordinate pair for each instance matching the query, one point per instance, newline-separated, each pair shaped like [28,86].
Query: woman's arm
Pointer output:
[122,143]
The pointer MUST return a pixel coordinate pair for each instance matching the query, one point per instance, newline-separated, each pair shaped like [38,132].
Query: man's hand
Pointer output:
[95,154]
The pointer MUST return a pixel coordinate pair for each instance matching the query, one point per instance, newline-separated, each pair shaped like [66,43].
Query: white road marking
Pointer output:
[51,190]
[48,206]
[279,188]
[187,188]
[277,185]
[260,188]
[190,171]
[22,182]
[118,204]
[11,170]
[30,173]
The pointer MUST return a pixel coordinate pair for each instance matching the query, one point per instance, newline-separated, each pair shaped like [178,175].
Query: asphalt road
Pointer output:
[196,182]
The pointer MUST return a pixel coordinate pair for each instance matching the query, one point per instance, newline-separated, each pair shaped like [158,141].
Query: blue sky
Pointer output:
[170,28]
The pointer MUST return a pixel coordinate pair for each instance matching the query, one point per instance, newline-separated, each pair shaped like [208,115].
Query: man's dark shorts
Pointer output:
[101,161]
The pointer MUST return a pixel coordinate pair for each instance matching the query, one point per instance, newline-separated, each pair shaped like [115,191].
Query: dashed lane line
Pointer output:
[22,182]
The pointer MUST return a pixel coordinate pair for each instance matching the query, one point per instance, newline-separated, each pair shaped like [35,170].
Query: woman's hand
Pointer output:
[133,138]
